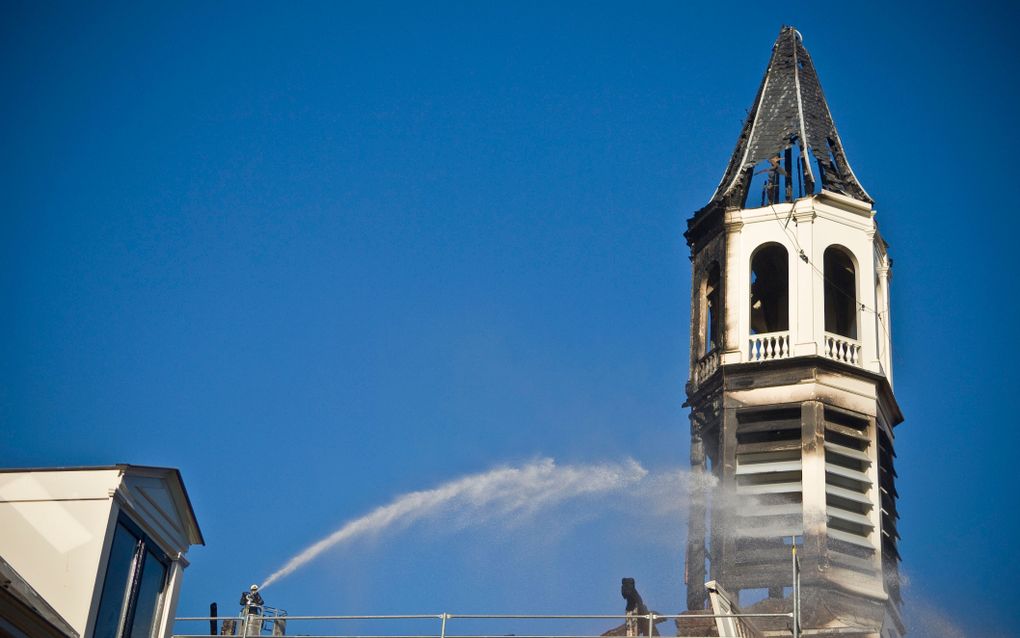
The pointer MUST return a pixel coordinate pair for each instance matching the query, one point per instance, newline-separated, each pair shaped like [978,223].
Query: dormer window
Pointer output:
[103,547]
[136,578]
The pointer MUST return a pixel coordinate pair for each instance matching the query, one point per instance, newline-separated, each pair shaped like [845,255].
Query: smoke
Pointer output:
[505,493]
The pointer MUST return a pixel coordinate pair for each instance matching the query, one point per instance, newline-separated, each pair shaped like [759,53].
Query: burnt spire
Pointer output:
[789,136]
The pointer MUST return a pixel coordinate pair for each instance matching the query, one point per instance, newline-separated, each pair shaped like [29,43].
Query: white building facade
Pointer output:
[104,547]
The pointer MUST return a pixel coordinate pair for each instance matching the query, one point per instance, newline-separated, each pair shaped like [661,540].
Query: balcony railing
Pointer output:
[706,366]
[768,346]
[842,349]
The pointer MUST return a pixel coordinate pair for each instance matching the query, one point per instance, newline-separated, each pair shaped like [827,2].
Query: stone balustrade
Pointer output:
[768,346]
[776,345]
[705,367]
[842,349]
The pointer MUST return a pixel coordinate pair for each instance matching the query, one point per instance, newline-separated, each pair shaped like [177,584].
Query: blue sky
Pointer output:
[327,254]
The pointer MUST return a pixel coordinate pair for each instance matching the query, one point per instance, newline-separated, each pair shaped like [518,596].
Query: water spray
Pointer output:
[498,494]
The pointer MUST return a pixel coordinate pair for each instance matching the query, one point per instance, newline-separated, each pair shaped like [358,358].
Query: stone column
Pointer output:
[735,282]
[884,320]
[813,481]
[695,568]
[807,292]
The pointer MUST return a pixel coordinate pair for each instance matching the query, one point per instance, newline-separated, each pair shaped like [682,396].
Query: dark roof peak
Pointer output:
[790,120]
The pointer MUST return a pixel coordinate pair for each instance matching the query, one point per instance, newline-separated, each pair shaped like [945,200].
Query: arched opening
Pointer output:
[770,289]
[840,293]
[713,309]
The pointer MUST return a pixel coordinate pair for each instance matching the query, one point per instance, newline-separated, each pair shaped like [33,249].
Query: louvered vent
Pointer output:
[848,495]
[768,484]
[887,492]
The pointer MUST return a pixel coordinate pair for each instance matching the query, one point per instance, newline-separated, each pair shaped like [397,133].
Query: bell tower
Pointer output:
[790,390]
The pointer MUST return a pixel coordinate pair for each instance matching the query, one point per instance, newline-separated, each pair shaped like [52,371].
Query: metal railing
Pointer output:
[730,623]
[444,619]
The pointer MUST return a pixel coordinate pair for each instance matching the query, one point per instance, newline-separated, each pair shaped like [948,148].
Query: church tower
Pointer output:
[791,397]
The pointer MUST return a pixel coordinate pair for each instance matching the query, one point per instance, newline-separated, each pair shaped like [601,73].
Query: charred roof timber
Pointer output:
[789,125]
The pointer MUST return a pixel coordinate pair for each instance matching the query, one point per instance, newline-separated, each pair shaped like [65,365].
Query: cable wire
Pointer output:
[807,260]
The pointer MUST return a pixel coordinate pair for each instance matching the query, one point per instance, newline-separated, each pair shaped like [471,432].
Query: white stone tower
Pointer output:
[790,390]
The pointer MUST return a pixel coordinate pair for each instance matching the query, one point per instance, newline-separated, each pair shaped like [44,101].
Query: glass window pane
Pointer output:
[150,594]
[116,583]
